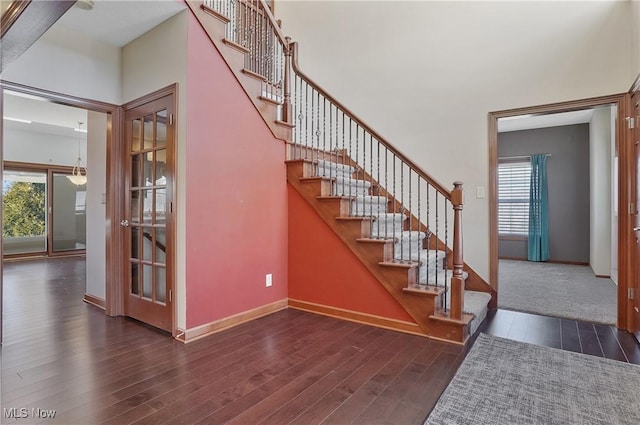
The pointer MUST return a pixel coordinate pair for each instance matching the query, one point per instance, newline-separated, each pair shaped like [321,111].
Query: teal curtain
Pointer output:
[538,210]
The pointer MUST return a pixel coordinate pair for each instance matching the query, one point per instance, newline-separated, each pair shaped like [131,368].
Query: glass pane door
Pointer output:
[24,225]
[149,134]
[69,214]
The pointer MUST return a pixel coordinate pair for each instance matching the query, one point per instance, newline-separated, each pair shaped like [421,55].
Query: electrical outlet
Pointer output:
[268,280]
[480,194]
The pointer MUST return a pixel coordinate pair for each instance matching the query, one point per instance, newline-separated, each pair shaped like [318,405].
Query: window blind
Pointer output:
[513,197]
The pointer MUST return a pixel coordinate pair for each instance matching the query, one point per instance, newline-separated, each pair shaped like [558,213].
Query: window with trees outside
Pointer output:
[513,197]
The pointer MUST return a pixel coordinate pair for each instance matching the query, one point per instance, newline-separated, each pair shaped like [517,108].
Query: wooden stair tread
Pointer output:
[398,264]
[374,240]
[332,198]
[424,290]
[444,317]
[236,46]
[284,123]
[315,179]
[215,14]
[254,75]
[351,218]
[272,101]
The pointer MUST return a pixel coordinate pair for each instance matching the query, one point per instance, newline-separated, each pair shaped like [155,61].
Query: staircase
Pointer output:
[402,225]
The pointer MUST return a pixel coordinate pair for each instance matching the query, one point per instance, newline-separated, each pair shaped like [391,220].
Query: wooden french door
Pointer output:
[148,223]
[634,283]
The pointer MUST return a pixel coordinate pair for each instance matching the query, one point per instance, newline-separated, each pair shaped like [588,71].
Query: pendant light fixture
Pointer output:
[79,174]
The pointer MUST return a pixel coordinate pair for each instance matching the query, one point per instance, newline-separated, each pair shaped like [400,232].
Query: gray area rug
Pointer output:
[559,290]
[509,382]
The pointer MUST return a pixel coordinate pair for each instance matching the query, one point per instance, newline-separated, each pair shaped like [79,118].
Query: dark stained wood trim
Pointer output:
[621,101]
[26,24]
[63,99]
[358,317]
[16,165]
[171,225]
[94,301]
[169,90]
[12,14]
[115,275]
[626,196]
[220,325]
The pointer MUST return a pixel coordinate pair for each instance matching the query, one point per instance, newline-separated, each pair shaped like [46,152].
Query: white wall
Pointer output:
[151,62]
[96,208]
[425,74]
[65,61]
[600,191]
[634,16]
[22,145]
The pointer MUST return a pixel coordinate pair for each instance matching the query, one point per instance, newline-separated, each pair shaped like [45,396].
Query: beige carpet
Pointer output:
[558,290]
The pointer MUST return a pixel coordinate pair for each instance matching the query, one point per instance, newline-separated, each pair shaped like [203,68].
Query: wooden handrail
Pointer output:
[274,23]
[439,187]
[291,48]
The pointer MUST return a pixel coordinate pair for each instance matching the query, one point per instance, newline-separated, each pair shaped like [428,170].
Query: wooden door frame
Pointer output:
[170,90]
[633,190]
[113,294]
[625,173]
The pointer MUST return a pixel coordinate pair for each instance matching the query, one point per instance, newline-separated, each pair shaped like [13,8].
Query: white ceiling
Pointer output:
[118,22]
[115,22]
[528,122]
[46,117]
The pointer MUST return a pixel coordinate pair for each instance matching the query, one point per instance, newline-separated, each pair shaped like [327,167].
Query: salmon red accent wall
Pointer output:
[323,270]
[236,193]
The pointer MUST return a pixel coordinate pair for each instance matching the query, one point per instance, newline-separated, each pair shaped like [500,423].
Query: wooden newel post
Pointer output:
[457,281]
[287,109]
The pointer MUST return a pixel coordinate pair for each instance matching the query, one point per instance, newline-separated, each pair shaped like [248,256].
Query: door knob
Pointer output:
[124,223]
[636,229]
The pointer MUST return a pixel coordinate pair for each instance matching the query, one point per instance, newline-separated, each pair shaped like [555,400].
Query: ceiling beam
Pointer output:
[24,22]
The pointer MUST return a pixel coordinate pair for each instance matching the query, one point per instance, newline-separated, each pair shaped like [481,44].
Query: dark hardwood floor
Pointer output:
[571,335]
[287,368]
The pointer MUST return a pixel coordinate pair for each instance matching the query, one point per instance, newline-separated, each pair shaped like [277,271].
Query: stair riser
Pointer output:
[332,169]
[406,251]
[332,172]
[360,209]
[444,276]
[341,189]
[386,228]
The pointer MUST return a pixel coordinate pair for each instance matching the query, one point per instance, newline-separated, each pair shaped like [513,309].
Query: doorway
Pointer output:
[576,278]
[618,101]
[40,141]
